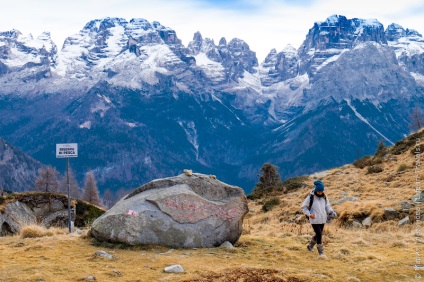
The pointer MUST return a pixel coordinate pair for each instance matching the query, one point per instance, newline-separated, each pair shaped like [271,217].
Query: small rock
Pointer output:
[188,172]
[357,224]
[367,222]
[393,159]
[167,252]
[227,245]
[345,199]
[90,278]
[79,231]
[176,268]
[405,204]
[103,254]
[343,193]
[390,214]
[404,221]
[418,198]
[212,176]
[117,273]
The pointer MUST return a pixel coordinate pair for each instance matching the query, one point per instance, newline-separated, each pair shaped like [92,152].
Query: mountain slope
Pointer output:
[143,106]
[18,170]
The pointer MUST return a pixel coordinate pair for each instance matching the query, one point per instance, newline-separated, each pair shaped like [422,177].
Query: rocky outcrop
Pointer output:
[181,212]
[47,209]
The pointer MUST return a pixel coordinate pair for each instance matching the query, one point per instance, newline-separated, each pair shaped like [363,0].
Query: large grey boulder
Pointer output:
[182,212]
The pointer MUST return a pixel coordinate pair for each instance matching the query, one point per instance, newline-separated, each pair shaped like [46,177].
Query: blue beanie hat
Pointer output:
[319,186]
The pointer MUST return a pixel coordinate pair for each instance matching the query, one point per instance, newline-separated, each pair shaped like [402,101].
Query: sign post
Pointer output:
[67,151]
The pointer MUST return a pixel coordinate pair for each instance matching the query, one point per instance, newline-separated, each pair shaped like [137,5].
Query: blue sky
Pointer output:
[263,24]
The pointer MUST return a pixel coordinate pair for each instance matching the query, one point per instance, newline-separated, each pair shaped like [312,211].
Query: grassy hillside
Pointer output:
[273,244]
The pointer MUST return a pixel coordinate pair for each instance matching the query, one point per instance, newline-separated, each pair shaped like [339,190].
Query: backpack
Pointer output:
[311,201]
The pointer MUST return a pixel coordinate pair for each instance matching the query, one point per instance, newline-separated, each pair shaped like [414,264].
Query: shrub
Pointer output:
[294,183]
[375,161]
[381,150]
[374,169]
[86,213]
[402,146]
[362,162]
[270,204]
[402,167]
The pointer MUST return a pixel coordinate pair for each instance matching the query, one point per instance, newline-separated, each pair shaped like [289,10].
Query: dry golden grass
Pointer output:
[271,248]
[35,231]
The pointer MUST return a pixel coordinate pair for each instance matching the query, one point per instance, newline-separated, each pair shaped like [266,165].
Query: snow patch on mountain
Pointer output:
[358,115]
[213,70]
[191,133]
[86,124]
[419,78]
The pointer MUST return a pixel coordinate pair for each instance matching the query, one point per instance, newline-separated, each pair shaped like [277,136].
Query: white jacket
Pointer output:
[320,208]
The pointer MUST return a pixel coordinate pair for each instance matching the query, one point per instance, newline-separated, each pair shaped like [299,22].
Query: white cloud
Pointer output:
[262,24]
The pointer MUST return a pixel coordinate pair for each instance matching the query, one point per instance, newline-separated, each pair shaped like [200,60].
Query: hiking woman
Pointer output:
[317,207]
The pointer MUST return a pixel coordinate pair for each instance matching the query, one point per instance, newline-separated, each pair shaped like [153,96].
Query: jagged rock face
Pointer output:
[26,59]
[46,209]
[338,32]
[327,39]
[394,32]
[18,170]
[280,67]
[225,62]
[181,212]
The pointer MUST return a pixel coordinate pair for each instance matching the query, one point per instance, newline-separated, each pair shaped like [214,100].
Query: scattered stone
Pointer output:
[357,224]
[343,193]
[167,252]
[404,221]
[103,254]
[212,176]
[178,212]
[227,245]
[345,199]
[117,273]
[338,173]
[367,222]
[188,172]
[176,268]
[418,198]
[90,278]
[393,159]
[79,231]
[405,205]
[390,214]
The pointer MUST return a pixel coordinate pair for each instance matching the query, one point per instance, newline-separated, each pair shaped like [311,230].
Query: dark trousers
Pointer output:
[319,229]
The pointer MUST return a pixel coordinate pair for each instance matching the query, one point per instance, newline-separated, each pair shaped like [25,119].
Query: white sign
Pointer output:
[67,150]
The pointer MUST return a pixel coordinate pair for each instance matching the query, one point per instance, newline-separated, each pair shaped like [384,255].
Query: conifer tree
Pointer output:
[91,192]
[381,149]
[47,180]
[73,183]
[270,180]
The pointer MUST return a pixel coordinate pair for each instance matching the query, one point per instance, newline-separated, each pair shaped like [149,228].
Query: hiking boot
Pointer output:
[311,245]
[320,249]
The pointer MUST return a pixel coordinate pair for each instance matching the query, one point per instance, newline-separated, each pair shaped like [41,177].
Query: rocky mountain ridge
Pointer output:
[143,106]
